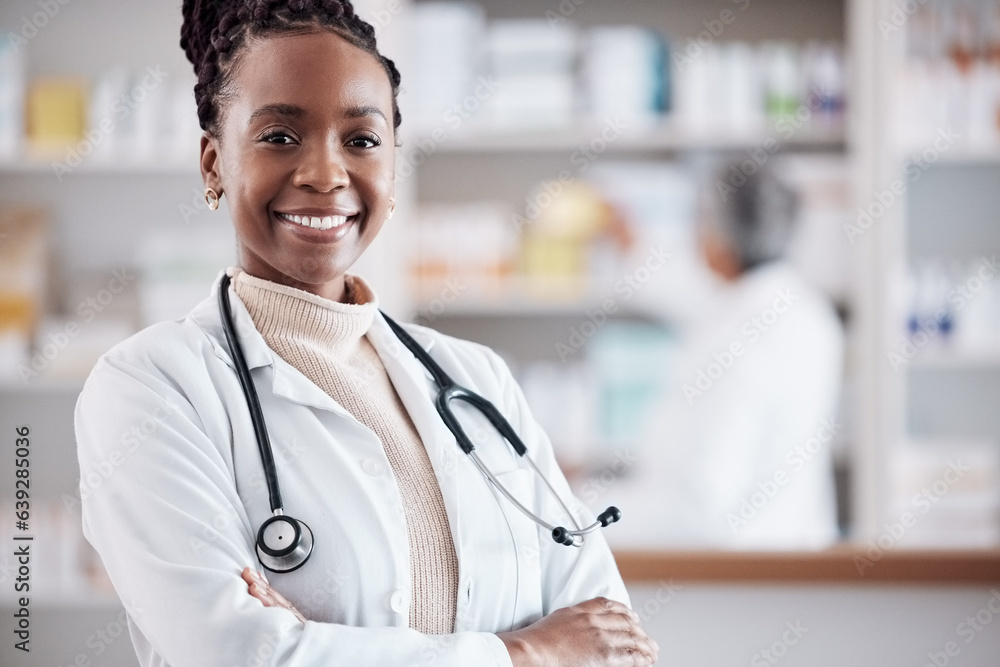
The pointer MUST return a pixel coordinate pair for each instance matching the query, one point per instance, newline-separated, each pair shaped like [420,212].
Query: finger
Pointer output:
[262,594]
[634,648]
[616,619]
[608,606]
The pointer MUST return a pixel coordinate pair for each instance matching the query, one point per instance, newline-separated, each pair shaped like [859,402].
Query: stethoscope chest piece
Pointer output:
[283,543]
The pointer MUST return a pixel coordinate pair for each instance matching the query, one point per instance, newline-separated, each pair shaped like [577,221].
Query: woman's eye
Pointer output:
[365,141]
[277,137]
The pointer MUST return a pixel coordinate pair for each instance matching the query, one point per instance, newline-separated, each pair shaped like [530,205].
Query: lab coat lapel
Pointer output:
[286,381]
[417,391]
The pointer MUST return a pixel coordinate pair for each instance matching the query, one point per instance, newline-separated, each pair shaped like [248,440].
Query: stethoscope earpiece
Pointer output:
[283,543]
[574,538]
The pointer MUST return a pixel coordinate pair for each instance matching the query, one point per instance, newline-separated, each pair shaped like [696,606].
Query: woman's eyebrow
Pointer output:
[295,111]
[363,111]
[287,110]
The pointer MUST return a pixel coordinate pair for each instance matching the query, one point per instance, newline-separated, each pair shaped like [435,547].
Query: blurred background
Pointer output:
[614,196]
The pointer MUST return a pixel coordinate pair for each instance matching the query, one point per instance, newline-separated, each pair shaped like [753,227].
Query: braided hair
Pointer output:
[214,31]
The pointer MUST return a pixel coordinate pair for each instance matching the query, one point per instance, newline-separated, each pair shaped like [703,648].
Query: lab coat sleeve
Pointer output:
[169,525]
[570,575]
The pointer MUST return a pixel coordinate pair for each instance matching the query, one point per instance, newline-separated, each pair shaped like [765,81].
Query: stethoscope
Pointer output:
[284,544]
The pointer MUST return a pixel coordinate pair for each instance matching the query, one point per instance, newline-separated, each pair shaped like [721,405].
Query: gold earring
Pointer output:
[392,207]
[212,199]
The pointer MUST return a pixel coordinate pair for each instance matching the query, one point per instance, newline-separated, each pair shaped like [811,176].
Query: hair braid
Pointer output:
[214,32]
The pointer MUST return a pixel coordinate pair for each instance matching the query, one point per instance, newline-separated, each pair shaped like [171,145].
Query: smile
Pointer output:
[315,222]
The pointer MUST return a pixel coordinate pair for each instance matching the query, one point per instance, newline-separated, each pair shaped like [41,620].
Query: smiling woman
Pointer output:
[306,156]
[419,554]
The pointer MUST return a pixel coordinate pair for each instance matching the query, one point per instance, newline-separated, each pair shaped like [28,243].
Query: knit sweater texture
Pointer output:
[326,341]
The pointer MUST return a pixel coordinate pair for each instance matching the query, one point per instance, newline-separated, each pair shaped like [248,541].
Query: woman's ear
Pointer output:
[210,167]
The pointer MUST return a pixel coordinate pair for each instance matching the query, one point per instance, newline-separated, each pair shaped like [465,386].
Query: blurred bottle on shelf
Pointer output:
[465,250]
[624,74]
[954,306]
[24,282]
[543,74]
[56,113]
[533,61]
[446,63]
[944,493]
[949,75]
[12,89]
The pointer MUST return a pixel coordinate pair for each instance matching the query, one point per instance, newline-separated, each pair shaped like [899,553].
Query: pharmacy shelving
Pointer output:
[861,141]
[937,405]
[658,138]
[39,167]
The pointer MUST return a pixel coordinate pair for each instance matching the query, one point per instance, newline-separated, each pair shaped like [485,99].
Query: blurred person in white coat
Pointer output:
[738,452]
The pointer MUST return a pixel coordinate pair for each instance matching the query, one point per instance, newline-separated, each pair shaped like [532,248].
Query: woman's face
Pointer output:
[305,156]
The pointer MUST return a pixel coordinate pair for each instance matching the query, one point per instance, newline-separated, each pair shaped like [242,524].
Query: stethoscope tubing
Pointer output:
[253,402]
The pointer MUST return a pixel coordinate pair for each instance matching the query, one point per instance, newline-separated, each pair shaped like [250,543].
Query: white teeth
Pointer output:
[326,222]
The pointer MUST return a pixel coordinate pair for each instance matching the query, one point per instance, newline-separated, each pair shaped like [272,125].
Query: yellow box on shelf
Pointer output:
[24,264]
[56,112]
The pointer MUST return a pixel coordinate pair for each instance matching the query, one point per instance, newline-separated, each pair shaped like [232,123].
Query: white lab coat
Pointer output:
[173,495]
[737,454]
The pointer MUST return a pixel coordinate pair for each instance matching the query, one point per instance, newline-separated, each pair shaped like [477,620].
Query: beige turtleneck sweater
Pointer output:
[326,341]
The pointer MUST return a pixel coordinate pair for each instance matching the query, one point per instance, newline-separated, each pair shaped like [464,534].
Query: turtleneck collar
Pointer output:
[283,313]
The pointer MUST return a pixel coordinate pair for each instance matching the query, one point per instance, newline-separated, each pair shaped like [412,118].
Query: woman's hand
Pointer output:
[594,632]
[260,589]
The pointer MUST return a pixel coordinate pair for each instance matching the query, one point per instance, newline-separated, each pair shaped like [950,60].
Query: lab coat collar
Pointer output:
[287,381]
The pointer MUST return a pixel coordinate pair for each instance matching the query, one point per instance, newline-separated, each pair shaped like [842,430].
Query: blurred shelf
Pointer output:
[958,358]
[513,296]
[84,600]
[62,386]
[957,156]
[631,138]
[102,166]
[846,564]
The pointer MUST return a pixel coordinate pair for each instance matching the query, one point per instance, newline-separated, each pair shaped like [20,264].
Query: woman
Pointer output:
[417,559]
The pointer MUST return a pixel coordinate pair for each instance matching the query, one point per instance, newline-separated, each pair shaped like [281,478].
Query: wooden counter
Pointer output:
[842,565]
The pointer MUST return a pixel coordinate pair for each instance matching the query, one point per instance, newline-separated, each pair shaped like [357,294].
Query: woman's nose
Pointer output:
[322,169]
